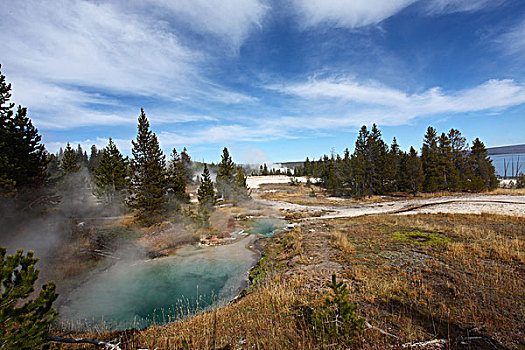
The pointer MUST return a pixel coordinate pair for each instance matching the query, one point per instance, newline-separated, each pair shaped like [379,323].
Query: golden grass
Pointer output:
[476,280]
[471,284]
[342,242]
[509,191]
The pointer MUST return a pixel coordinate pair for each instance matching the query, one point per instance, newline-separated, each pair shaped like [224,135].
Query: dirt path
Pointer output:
[465,204]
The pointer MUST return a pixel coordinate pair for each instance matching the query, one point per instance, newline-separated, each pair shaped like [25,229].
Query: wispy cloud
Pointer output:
[513,41]
[352,14]
[360,13]
[451,6]
[229,20]
[67,58]
[123,145]
[493,94]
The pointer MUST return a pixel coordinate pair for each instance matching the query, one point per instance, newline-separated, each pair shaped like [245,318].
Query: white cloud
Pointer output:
[360,13]
[123,145]
[230,20]
[332,104]
[65,57]
[259,131]
[513,41]
[493,94]
[344,13]
[451,6]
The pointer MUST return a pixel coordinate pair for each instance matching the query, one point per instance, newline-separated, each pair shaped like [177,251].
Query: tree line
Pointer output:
[146,182]
[446,163]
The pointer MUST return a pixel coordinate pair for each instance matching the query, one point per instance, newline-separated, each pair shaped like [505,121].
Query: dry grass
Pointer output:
[474,281]
[509,191]
[342,242]
[471,284]
[302,194]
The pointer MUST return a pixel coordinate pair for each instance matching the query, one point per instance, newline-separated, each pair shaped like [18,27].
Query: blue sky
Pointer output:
[271,80]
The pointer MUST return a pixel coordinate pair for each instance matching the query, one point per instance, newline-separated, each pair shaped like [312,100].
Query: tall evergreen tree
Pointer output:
[148,191]
[69,163]
[241,188]
[225,179]
[94,158]
[177,178]
[445,165]
[188,166]
[111,173]
[360,163]
[413,170]
[205,193]
[482,175]
[430,161]
[23,158]
[377,161]
[392,167]
[459,152]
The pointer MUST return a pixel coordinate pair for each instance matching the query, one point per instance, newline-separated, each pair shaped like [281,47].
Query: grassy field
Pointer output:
[459,279]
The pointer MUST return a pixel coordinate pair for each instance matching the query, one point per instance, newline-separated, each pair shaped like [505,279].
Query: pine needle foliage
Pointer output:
[69,162]
[177,178]
[148,191]
[23,158]
[205,193]
[111,173]
[24,323]
[225,179]
[337,321]
[483,173]
[241,187]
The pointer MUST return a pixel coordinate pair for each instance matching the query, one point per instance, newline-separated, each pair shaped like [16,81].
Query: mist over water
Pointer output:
[141,293]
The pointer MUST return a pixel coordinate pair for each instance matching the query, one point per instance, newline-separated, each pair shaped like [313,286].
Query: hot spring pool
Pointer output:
[157,291]
[266,227]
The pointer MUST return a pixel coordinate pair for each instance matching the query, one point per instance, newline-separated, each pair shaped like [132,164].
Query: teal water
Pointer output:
[266,227]
[161,290]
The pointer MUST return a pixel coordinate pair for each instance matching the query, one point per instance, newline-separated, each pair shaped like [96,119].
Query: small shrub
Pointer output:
[520,182]
[336,320]
[24,324]
[294,182]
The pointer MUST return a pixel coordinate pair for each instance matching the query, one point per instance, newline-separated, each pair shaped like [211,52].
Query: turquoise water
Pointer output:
[266,227]
[161,290]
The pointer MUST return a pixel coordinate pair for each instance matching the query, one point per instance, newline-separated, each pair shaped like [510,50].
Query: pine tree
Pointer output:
[265,170]
[483,175]
[148,180]
[23,158]
[430,160]
[458,148]
[360,163]
[445,166]
[414,172]
[24,323]
[377,161]
[337,319]
[188,166]
[69,163]
[94,158]
[225,179]
[241,188]
[392,167]
[111,173]
[177,178]
[205,193]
